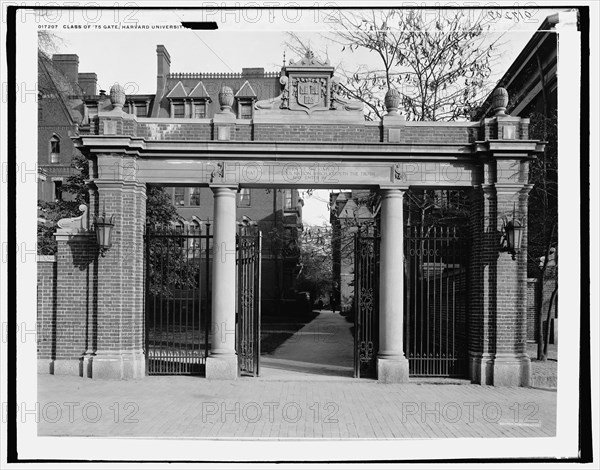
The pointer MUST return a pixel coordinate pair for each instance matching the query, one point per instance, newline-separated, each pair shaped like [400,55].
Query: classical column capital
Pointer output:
[223,189]
[392,191]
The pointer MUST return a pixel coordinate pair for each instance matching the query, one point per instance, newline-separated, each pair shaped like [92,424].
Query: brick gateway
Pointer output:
[297,139]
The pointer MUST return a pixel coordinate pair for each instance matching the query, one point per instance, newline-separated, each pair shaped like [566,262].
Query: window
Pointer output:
[57,190]
[245,110]
[54,149]
[92,111]
[178,110]
[199,110]
[194,196]
[140,110]
[244,197]
[179,197]
[288,200]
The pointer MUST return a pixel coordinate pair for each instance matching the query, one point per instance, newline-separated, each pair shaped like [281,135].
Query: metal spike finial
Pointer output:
[284,58]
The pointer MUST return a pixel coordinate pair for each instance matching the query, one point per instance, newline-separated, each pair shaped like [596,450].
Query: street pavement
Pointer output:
[306,390]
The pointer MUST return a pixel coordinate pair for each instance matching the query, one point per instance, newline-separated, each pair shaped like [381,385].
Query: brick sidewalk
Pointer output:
[250,408]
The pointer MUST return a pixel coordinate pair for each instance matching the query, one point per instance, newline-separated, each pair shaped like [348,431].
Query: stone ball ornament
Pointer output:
[392,101]
[500,101]
[117,96]
[226,98]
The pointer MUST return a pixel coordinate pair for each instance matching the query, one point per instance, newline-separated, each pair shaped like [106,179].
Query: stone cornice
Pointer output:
[258,150]
[509,148]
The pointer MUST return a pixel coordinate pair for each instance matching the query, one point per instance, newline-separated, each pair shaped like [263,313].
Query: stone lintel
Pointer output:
[67,236]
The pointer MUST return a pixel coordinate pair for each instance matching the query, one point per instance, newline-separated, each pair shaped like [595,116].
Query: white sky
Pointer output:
[245,38]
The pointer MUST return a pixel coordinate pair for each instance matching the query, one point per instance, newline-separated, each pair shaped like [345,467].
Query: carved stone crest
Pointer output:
[309,92]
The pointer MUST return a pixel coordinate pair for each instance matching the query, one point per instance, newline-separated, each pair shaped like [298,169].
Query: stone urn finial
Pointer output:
[392,101]
[500,101]
[117,96]
[226,99]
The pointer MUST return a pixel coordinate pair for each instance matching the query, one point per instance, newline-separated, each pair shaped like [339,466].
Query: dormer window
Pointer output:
[178,109]
[54,149]
[177,98]
[199,110]
[245,98]
[245,110]
[199,101]
[140,110]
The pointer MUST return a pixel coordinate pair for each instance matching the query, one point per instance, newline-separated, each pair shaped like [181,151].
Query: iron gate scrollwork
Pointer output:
[366,302]
[177,300]
[435,340]
[248,301]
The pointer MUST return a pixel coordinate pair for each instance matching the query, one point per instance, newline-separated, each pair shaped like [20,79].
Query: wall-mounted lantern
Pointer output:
[104,230]
[513,230]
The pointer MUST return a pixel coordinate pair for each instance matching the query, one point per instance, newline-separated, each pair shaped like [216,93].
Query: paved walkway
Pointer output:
[306,390]
[249,408]
[323,349]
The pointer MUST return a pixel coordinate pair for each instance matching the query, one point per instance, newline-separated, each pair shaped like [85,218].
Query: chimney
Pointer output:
[88,82]
[255,71]
[68,64]
[163,68]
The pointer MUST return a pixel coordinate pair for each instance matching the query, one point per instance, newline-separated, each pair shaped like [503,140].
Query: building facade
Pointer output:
[70,102]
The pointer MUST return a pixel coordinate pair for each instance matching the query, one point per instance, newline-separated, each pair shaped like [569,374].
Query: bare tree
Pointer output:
[440,65]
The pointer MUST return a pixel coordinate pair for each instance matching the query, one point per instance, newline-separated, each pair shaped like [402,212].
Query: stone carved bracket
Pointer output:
[399,175]
[74,225]
[218,172]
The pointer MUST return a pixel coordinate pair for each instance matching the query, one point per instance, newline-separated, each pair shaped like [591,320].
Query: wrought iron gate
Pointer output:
[366,301]
[435,301]
[248,302]
[177,303]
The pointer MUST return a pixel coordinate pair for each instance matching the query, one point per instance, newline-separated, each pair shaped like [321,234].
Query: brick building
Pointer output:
[69,104]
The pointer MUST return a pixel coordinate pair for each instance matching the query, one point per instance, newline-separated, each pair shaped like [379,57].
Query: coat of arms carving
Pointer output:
[310,92]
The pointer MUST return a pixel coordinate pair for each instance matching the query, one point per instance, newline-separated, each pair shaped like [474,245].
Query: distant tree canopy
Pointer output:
[315,275]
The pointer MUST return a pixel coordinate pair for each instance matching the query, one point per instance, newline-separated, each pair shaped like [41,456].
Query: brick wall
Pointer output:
[312,133]
[75,299]
[532,324]
[174,131]
[46,306]
[435,134]
[245,130]
[498,285]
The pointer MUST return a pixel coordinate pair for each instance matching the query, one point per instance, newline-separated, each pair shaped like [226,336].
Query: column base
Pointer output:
[500,370]
[117,366]
[60,367]
[392,370]
[222,367]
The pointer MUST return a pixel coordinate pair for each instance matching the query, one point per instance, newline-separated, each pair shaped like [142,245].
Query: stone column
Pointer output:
[392,365]
[222,360]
